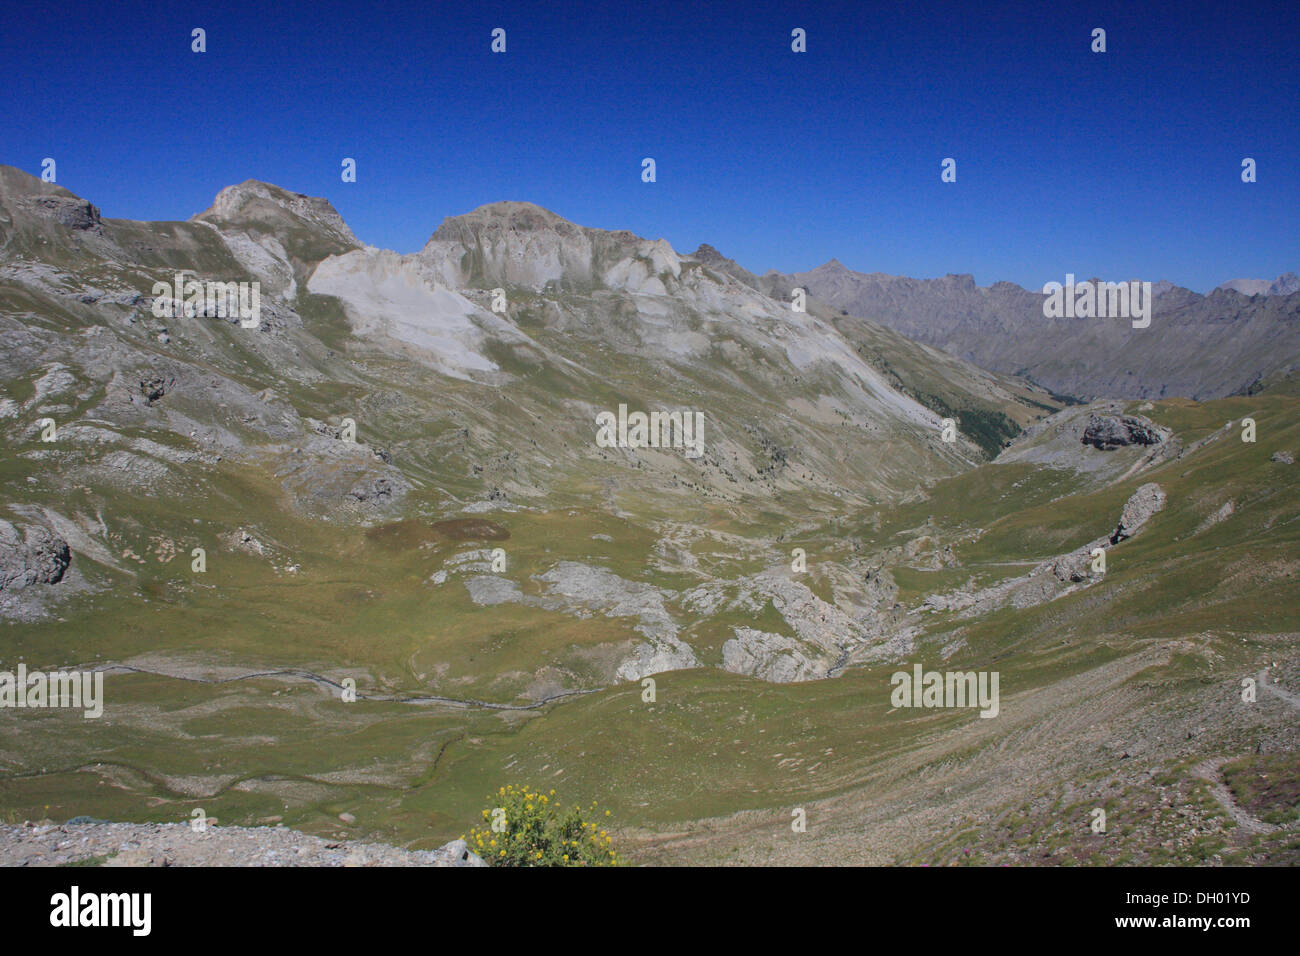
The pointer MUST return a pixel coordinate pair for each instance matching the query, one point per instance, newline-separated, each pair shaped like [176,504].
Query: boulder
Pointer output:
[1073,567]
[457,853]
[155,387]
[33,557]
[1107,432]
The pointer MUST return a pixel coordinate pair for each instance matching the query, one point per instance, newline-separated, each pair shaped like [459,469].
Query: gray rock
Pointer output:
[34,557]
[486,590]
[1109,431]
[772,657]
[328,473]
[1282,458]
[326,429]
[67,211]
[374,489]
[242,540]
[457,853]
[1074,567]
[1145,502]
[155,388]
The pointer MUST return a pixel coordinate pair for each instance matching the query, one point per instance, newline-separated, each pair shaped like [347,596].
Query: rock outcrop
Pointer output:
[68,211]
[1107,432]
[34,556]
[1144,502]
[772,657]
[1044,582]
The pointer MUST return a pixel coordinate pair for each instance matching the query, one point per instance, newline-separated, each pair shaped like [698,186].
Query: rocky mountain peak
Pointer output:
[504,216]
[522,244]
[715,260]
[1285,284]
[28,198]
[263,207]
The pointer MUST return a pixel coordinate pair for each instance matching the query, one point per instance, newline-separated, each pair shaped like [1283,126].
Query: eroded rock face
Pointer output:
[34,556]
[771,657]
[1112,431]
[67,211]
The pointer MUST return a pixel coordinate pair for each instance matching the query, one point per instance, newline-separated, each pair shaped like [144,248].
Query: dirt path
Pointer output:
[1209,771]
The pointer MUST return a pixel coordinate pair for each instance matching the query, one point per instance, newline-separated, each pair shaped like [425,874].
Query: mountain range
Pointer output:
[390,480]
[1197,346]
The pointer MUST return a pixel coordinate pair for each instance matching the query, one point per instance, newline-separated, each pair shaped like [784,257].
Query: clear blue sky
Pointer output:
[1121,164]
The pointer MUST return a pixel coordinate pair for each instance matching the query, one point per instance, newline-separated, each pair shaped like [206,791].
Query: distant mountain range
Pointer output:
[1239,336]
[1282,285]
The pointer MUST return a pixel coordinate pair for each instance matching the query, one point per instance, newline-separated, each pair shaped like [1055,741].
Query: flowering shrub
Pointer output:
[527,828]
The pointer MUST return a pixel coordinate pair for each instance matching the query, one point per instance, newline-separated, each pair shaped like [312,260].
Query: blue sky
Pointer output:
[1121,165]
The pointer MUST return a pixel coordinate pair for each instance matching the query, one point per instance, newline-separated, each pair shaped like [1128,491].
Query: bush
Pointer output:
[526,828]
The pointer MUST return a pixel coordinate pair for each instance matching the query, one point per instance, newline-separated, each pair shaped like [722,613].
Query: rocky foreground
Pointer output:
[176,844]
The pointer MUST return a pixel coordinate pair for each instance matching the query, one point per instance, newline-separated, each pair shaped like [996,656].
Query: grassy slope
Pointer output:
[711,745]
